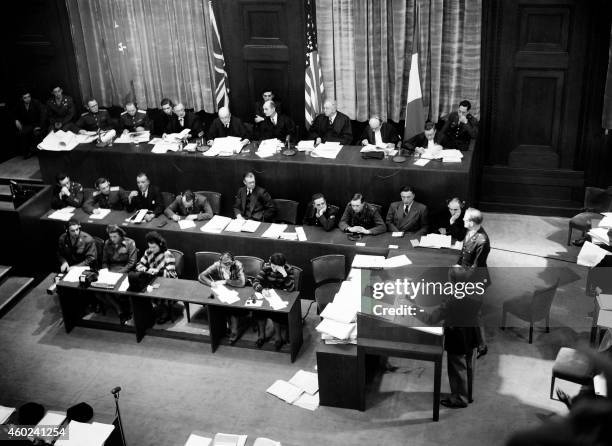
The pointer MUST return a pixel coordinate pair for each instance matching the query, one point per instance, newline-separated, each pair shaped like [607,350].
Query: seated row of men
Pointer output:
[119,254]
[253,202]
[330,126]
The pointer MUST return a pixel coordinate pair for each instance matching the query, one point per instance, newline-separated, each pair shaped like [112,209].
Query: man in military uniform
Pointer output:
[105,197]
[460,127]
[60,110]
[360,217]
[76,248]
[190,206]
[66,193]
[134,120]
[95,119]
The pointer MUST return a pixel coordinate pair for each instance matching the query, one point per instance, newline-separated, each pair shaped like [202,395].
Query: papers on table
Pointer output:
[307,381]
[225,295]
[601,385]
[336,329]
[300,234]
[100,214]
[225,146]
[604,318]
[51,419]
[134,137]
[186,224]
[452,156]
[229,440]
[600,235]
[303,146]
[139,217]
[59,141]
[5,413]
[421,162]
[74,273]
[241,225]
[285,391]
[125,284]
[457,246]
[85,434]
[274,300]
[155,141]
[165,146]
[268,147]
[606,222]
[397,234]
[397,261]
[590,255]
[368,262]
[87,137]
[216,225]
[340,312]
[604,301]
[373,148]
[327,150]
[288,236]
[63,214]
[274,231]
[175,137]
[107,279]
[197,440]
[435,241]
[432,152]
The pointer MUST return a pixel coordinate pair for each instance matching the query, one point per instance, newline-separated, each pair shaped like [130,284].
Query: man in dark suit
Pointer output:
[161,120]
[259,115]
[275,125]
[105,197]
[379,134]
[319,213]
[184,120]
[146,197]
[29,120]
[453,225]
[190,206]
[407,215]
[253,202]
[331,126]
[360,217]
[227,125]
[422,141]
[460,127]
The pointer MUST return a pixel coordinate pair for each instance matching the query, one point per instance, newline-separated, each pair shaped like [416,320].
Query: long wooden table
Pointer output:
[291,177]
[73,303]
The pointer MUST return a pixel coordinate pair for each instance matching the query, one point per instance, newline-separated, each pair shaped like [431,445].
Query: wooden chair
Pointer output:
[286,211]
[571,365]
[214,198]
[531,308]
[596,201]
[179,263]
[328,272]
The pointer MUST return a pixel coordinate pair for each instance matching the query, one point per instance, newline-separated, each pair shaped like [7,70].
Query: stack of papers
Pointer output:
[242,225]
[85,434]
[606,222]
[452,156]
[229,440]
[421,162]
[165,146]
[59,141]
[139,217]
[338,330]
[100,214]
[274,300]
[225,146]
[197,440]
[435,241]
[74,273]
[397,261]
[63,214]
[134,137]
[432,152]
[307,381]
[590,255]
[368,262]
[216,225]
[186,224]
[107,279]
[303,146]
[344,313]
[302,390]
[175,137]
[274,231]
[225,295]
[5,413]
[327,150]
[285,391]
[600,235]
[268,147]
[373,148]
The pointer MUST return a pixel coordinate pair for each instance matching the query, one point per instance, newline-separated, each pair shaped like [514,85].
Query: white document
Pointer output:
[368,261]
[61,214]
[421,162]
[302,146]
[397,261]
[274,300]
[186,224]
[262,441]
[590,255]
[100,215]
[600,235]
[229,440]
[107,277]
[74,273]
[452,156]
[225,146]
[307,381]
[139,217]
[85,434]
[165,146]
[59,141]
[5,413]
[288,236]
[432,152]
[372,148]
[274,231]
[301,234]
[604,319]
[134,137]
[86,138]
[397,234]
[306,401]
[235,225]
[335,329]
[225,295]
[216,225]
[285,391]
[601,385]
[268,147]
[125,284]
[51,419]
[457,246]
[344,313]
[250,226]
[606,222]
[196,440]
[327,150]
[605,301]
[435,241]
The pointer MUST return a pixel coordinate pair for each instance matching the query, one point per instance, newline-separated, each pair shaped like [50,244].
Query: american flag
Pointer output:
[313,85]
[221,83]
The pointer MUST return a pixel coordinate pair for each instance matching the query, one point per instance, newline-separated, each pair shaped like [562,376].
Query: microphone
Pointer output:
[116,390]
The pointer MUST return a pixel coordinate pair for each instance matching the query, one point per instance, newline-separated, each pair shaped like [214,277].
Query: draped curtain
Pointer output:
[144,50]
[607,108]
[365,49]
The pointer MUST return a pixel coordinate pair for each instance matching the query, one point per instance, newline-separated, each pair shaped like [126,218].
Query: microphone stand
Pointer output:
[115,393]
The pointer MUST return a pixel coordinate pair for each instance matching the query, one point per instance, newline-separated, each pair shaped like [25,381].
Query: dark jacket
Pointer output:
[457,135]
[33,116]
[64,112]
[457,230]
[415,222]
[115,200]
[92,122]
[420,140]
[129,122]
[121,258]
[236,128]
[259,206]
[215,272]
[369,218]
[340,131]
[200,206]
[284,126]
[258,108]
[74,199]
[191,122]
[268,278]
[387,133]
[154,201]
[160,122]
[82,253]
[328,220]
[473,258]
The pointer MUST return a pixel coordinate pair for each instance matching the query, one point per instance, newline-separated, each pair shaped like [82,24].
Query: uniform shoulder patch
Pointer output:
[123,113]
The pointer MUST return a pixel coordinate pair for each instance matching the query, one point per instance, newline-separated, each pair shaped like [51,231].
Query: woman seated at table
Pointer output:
[158,261]
[274,274]
[226,271]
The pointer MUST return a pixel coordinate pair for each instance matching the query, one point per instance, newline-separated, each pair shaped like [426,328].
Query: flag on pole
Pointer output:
[221,82]
[313,80]
[415,119]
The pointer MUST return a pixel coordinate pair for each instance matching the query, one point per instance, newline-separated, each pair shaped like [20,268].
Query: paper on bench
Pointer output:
[225,295]
[101,214]
[5,413]
[85,434]
[74,273]
[274,231]
[397,261]
[186,224]
[216,225]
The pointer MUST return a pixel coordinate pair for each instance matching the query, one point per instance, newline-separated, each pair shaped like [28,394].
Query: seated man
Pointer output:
[379,133]
[274,274]
[146,197]
[66,193]
[185,120]
[331,126]
[454,225]
[162,120]
[320,214]
[30,121]
[275,125]
[134,120]
[94,119]
[226,271]
[460,127]
[407,215]
[105,197]
[119,255]
[259,115]
[425,140]
[227,125]
[253,202]
[360,217]
[190,206]
[60,110]
[76,248]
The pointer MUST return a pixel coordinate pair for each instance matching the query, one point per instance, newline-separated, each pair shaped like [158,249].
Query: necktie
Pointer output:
[181,121]
[331,122]
[406,209]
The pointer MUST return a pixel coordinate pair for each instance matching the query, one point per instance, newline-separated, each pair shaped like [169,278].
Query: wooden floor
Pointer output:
[18,168]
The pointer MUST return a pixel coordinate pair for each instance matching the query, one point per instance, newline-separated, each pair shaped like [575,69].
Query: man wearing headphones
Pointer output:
[379,133]
[76,248]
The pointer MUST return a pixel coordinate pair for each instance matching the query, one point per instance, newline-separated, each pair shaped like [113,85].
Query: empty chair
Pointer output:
[531,308]
[203,260]
[297,277]
[286,211]
[328,272]
[571,365]
[178,266]
[596,200]
[251,267]
[168,198]
[214,199]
